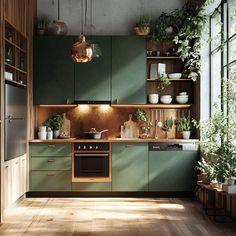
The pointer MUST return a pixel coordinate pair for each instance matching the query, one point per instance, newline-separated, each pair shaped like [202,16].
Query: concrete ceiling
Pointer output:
[110,17]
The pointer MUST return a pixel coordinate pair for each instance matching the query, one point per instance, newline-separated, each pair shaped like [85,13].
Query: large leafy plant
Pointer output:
[218,134]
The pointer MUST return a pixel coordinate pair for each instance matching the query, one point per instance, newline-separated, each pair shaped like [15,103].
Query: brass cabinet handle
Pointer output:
[67,101]
[6,166]
[51,146]
[51,160]
[51,174]
[129,146]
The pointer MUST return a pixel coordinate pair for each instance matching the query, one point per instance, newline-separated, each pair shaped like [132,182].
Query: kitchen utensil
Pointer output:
[175,75]
[130,128]
[94,134]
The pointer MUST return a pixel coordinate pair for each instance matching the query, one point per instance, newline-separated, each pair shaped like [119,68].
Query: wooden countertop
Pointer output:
[73,140]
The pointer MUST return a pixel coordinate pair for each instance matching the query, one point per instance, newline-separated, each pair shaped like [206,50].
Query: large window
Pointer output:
[222,50]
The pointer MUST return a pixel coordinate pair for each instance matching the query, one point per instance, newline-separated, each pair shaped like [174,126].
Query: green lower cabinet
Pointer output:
[50,181]
[129,167]
[91,187]
[50,149]
[50,163]
[172,171]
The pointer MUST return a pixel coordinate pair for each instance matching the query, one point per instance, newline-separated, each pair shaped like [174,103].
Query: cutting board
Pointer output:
[130,128]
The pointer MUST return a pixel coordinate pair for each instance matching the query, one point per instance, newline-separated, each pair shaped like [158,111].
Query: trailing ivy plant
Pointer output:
[188,37]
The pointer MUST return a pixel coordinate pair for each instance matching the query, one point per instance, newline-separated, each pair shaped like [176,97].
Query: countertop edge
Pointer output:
[74,140]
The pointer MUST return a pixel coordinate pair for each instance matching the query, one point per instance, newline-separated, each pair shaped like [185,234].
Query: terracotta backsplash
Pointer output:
[83,118]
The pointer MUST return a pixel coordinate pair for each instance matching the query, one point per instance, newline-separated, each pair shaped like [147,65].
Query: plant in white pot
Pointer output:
[55,123]
[184,125]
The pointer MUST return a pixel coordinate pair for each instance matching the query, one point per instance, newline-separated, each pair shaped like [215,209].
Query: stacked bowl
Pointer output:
[166,99]
[182,98]
[153,98]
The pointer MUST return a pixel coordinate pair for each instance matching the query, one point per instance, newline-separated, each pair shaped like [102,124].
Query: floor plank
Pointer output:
[111,217]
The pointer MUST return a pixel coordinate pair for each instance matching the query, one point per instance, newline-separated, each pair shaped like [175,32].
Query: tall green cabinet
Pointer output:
[53,70]
[129,70]
[93,79]
[130,167]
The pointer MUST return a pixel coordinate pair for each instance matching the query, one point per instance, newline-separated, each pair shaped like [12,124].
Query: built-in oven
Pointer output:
[91,162]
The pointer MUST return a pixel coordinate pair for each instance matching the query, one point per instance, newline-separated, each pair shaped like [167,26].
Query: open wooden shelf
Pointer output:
[154,106]
[14,83]
[178,80]
[165,58]
[15,45]
[15,68]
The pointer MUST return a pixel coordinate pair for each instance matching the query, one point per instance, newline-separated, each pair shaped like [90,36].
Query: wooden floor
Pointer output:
[110,216]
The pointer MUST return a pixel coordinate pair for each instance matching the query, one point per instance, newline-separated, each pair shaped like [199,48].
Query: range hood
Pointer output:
[96,102]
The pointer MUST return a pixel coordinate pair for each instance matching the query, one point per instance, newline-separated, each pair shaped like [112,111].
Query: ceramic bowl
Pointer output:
[182,93]
[175,75]
[166,96]
[166,100]
[182,99]
[153,98]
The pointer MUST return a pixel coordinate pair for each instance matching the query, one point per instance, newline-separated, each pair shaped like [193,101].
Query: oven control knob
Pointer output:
[96,147]
[90,147]
[79,147]
[84,147]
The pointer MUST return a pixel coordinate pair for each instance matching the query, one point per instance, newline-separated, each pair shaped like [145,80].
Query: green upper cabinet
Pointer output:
[53,70]
[130,167]
[129,70]
[93,79]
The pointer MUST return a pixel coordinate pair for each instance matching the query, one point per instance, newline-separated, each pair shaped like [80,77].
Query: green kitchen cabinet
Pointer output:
[50,167]
[50,149]
[53,70]
[129,70]
[91,187]
[51,163]
[50,181]
[129,167]
[172,171]
[93,79]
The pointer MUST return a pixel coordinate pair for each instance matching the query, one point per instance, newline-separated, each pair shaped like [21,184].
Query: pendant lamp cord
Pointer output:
[86,11]
[58,9]
[82,16]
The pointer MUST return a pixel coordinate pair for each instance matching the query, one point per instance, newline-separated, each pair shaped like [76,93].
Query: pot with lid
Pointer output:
[94,134]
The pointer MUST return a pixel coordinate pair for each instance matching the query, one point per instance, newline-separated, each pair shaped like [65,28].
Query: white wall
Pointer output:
[110,17]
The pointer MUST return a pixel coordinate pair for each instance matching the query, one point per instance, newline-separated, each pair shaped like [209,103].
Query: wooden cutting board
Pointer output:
[130,128]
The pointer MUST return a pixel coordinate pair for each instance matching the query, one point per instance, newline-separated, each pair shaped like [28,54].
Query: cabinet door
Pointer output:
[7,199]
[50,181]
[172,170]
[23,174]
[91,187]
[93,79]
[53,70]
[130,167]
[16,178]
[129,70]
[50,149]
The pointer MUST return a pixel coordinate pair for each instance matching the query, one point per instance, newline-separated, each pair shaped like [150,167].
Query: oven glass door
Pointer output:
[91,165]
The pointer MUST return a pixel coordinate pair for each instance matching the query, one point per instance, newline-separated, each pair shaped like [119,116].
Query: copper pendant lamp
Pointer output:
[81,51]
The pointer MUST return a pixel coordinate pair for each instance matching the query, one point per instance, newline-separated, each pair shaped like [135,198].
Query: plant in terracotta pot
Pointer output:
[43,23]
[55,123]
[143,27]
[142,118]
[184,125]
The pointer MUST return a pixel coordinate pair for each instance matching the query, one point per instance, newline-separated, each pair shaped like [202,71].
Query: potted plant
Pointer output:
[55,123]
[43,23]
[143,27]
[168,126]
[184,125]
[165,81]
[142,117]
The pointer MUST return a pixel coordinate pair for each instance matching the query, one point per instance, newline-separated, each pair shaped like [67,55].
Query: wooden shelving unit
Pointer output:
[15,56]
